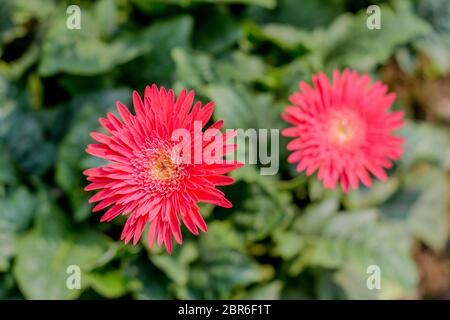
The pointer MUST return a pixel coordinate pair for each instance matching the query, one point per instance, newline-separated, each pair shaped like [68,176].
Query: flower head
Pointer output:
[160,165]
[343,129]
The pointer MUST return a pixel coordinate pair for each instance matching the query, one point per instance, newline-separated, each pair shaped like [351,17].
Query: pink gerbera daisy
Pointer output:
[151,175]
[343,129]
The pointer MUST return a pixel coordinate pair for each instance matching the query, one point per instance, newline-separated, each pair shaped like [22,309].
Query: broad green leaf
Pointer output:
[359,47]
[193,70]
[112,284]
[43,260]
[436,44]
[357,240]
[241,108]
[216,29]
[246,68]
[305,14]
[72,159]
[327,287]
[377,194]
[425,142]
[45,253]
[16,14]
[7,170]
[28,145]
[267,291]
[197,70]
[16,212]
[153,285]
[185,3]
[260,208]
[421,206]
[176,267]
[83,51]
[288,243]
[158,66]
[222,265]
[284,36]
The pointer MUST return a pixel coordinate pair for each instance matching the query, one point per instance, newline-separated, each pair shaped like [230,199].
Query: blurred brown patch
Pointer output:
[423,97]
[434,274]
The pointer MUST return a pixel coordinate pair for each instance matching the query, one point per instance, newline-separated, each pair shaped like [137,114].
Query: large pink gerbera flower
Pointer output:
[343,129]
[155,176]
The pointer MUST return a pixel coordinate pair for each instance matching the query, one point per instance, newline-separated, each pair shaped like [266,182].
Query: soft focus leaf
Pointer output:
[359,47]
[286,236]
[222,265]
[421,206]
[112,284]
[356,240]
[44,255]
[418,147]
[82,51]
[16,213]
[71,153]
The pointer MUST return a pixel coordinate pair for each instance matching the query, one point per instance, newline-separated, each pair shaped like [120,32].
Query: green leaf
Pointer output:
[285,36]
[288,243]
[153,285]
[112,284]
[17,209]
[421,206]
[267,291]
[16,213]
[193,70]
[216,29]
[359,47]
[27,146]
[357,240]
[241,108]
[377,194]
[308,14]
[222,266]
[185,3]
[7,170]
[158,66]
[15,15]
[72,159]
[260,208]
[418,148]
[176,266]
[197,70]
[45,253]
[246,68]
[83,51]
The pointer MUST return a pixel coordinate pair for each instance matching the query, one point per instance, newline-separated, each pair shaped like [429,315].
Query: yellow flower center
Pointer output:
[344,128]
[162,167]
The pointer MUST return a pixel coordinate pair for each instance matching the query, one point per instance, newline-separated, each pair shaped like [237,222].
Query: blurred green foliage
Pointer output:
[285,237]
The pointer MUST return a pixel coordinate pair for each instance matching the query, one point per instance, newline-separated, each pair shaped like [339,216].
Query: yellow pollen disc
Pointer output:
[343,131]
[344,128]
[162,167]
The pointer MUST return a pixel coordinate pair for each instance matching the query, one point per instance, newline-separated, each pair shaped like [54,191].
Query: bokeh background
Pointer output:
[286,237]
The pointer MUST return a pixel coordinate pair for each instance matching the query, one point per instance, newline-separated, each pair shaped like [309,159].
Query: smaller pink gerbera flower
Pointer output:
[343,129]
[160,166]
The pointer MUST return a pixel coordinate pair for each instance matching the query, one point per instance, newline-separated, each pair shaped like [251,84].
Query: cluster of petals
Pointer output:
[147,177]
[343,130]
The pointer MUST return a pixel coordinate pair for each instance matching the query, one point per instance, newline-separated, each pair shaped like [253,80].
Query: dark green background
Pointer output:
[285,237]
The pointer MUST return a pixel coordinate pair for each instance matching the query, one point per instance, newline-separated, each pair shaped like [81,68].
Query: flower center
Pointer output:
[162,167]
[344,128]
[156,169]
